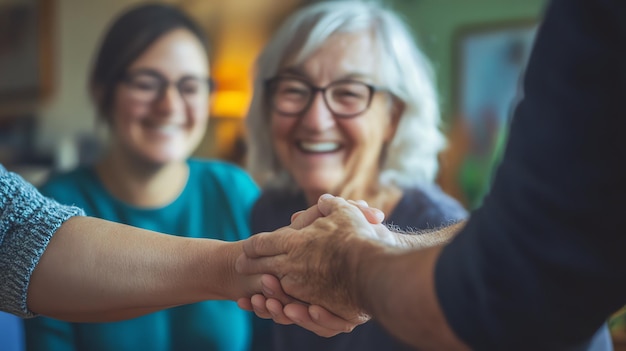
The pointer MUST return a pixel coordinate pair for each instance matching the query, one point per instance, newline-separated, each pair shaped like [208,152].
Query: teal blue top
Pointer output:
[215,203]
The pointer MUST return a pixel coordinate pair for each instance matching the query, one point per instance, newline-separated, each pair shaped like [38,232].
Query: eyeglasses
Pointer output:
[148,86]
[344,98]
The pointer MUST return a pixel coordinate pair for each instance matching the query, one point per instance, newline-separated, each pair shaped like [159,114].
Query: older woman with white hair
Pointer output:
[344,103]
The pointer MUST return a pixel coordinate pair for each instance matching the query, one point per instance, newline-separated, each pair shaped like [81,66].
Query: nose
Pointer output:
[170,102]
[317,117]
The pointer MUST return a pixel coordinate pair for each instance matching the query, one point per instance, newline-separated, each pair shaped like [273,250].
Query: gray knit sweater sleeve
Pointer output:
[27,222]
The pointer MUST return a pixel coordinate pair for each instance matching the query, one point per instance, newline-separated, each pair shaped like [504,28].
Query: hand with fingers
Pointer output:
[313,263]
[311,317]
[276,305]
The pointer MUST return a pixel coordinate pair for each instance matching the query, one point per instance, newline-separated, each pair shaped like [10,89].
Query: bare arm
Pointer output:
[398,291]
[95,270]
[425,239]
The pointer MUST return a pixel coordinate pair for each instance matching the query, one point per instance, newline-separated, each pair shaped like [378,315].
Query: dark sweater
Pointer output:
[541,265]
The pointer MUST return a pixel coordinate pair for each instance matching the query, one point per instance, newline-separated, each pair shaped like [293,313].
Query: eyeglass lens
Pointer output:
[292,96]
[148,87]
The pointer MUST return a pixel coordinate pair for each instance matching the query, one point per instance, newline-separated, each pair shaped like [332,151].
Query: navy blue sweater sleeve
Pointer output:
[541,264]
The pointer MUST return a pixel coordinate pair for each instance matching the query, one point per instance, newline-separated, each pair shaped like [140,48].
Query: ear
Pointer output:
[397,109]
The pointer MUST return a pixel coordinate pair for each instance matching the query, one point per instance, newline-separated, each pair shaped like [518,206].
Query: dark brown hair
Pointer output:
[128,37]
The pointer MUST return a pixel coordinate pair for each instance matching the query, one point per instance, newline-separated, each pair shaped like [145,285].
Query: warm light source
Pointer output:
[230,103]
[239,29]
[236,50]
[233,83]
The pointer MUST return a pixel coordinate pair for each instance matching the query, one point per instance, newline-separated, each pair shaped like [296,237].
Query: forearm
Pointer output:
[96,270]
[426,239]
[397,289]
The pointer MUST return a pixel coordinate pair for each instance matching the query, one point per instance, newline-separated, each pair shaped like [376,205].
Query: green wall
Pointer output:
[437,25]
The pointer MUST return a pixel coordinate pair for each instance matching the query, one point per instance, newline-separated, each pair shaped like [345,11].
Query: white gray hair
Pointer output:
[411,157]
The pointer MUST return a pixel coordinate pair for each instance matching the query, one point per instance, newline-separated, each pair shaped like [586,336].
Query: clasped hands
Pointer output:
[311,268]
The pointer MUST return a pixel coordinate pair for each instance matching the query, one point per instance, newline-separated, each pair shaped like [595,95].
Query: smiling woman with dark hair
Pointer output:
[150,83]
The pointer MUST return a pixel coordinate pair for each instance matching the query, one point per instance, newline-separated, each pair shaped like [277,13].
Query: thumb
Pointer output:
[328,203]
[302,219]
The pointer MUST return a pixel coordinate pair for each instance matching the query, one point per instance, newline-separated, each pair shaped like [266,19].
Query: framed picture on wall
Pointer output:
[489,62]
[25,51]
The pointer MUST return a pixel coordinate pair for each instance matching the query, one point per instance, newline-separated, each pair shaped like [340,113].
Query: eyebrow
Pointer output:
[156,73]
[297,71]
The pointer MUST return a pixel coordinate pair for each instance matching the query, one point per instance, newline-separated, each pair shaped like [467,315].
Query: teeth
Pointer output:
[168,128]
[319,147]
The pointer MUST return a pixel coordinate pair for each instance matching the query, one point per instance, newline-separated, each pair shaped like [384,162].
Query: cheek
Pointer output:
[197,116]
[367,136]
[125,111]
[361,133]
[279,136]
[380,122]
[201,110]
[280,129]
[200,115]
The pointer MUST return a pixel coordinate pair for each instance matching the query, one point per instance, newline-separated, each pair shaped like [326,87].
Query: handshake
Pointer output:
[317,272]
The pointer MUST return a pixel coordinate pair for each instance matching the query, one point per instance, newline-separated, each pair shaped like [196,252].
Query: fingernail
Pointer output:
[267,291]
[326,196]
[380,215]
[315,315]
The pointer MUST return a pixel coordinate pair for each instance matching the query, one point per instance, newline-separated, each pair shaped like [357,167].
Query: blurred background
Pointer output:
[477,47]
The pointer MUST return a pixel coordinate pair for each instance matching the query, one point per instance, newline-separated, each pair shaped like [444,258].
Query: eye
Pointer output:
[190,88]
[345,93]
[350,92]
[146,84]
[292,89]
[297,89]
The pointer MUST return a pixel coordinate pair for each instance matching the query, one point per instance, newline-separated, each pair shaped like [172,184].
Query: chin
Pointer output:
[165,159]
[316,188]
[316,180]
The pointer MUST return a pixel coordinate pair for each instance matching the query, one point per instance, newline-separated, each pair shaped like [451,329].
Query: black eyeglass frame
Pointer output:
[165,83]
[270,85]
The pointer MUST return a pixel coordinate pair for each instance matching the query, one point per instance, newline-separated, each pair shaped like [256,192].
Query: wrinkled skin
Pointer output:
[317,263]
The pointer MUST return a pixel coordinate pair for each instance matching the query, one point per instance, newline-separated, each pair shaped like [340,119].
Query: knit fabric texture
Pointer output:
[27,222]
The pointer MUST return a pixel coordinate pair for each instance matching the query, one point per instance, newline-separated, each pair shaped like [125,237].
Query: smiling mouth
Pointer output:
[165,128]
[318,147]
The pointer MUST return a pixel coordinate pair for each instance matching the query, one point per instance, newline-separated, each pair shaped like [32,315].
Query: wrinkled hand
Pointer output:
[392,236]
[318,263]
[315,318]
[302,219]
[373,215]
